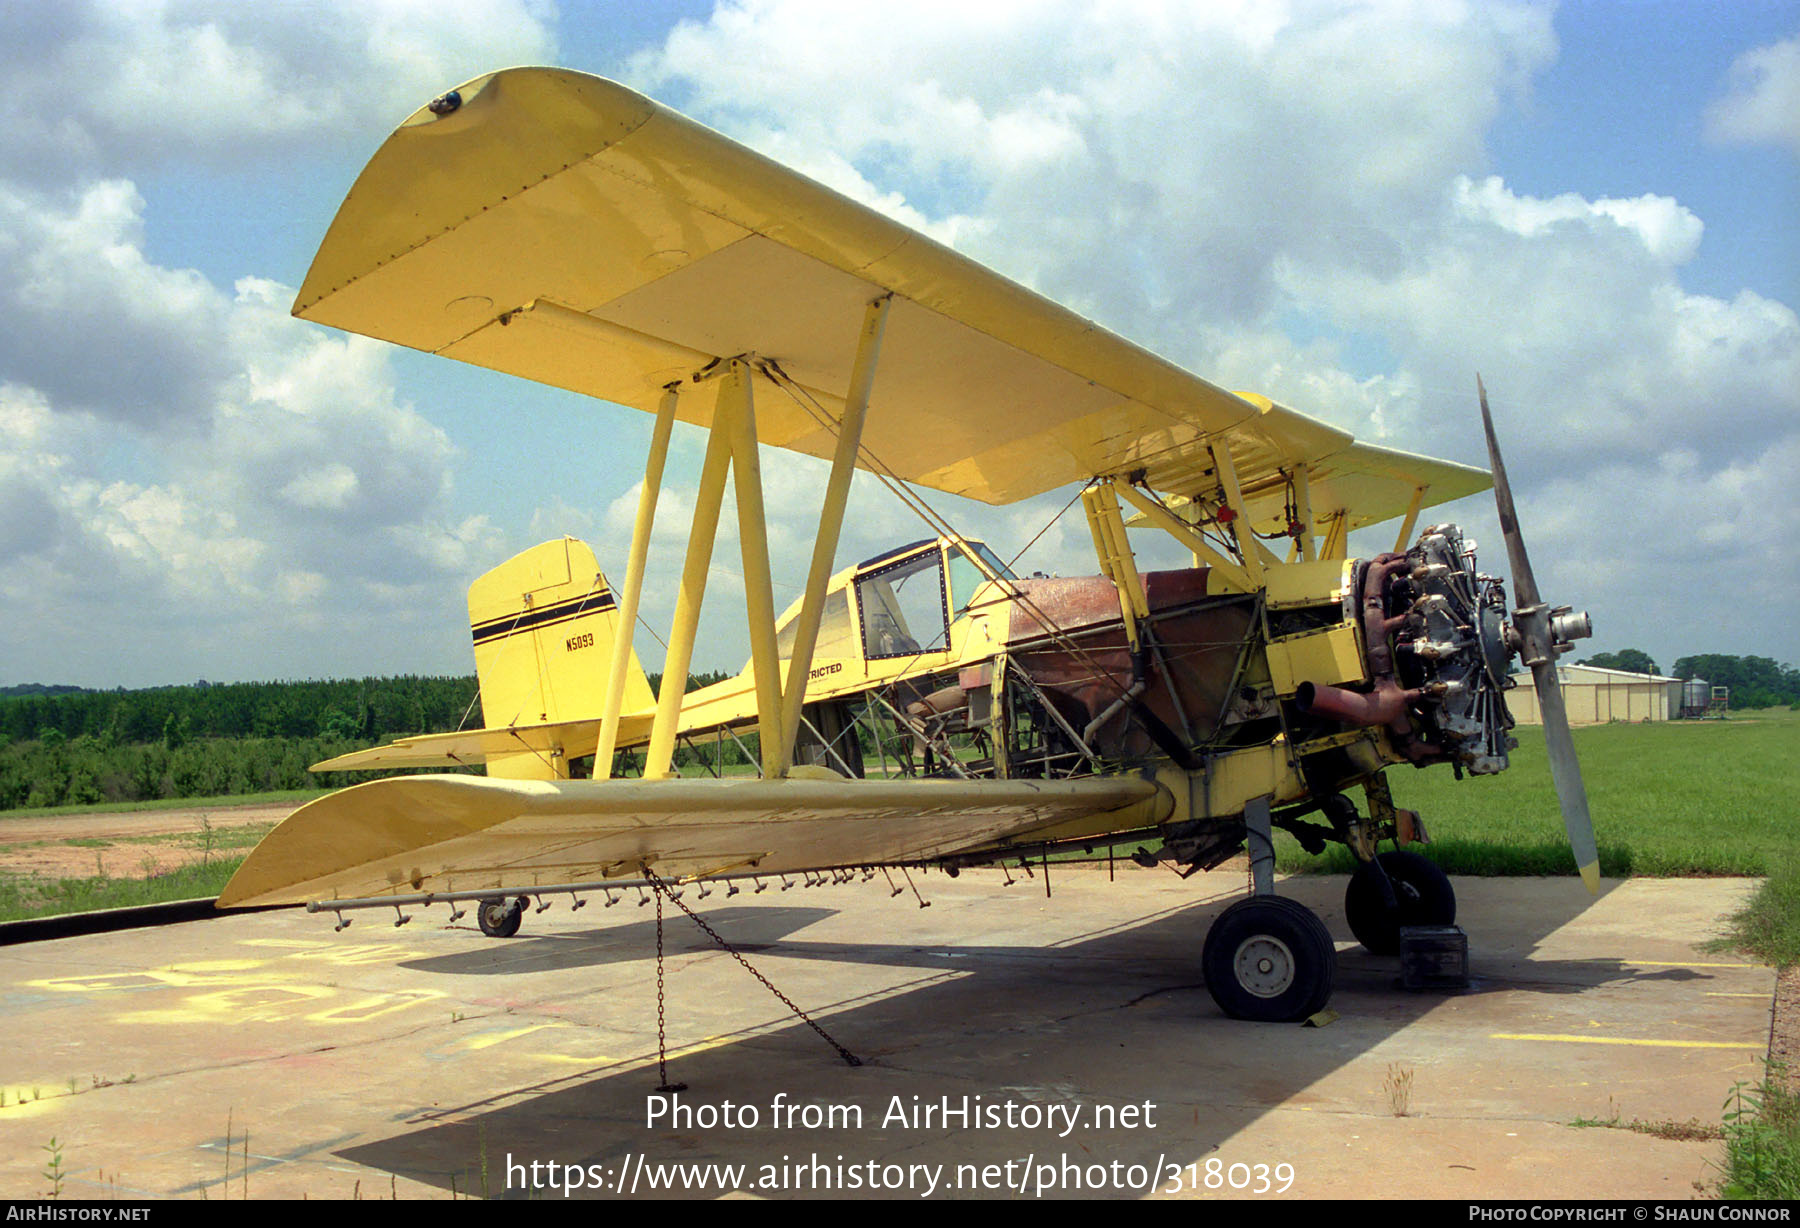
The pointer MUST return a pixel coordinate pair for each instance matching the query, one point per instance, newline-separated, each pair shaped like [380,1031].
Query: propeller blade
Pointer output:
[1538,648]
[1565,770]
[1525,590]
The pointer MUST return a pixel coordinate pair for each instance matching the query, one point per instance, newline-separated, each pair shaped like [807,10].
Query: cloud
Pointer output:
[1581,326]
[1290,197]
[1297,198]
[1763,105]
[1668,232]
[181,460]
[91,320]
[120,87]
[191,469]
[1093,142]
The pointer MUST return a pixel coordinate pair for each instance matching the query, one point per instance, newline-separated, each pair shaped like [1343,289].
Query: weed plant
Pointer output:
[1762,1143]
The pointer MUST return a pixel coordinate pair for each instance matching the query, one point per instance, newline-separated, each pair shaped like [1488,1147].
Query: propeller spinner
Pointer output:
[1538,634]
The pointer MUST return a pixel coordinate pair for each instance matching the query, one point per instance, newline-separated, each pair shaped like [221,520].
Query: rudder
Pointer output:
[543,623]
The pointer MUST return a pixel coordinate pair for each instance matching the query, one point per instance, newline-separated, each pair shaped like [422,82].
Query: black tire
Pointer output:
[500,918]
[1421,889]
[1270,960]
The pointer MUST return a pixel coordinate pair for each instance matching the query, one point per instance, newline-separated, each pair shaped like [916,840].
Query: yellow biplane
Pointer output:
[926,707]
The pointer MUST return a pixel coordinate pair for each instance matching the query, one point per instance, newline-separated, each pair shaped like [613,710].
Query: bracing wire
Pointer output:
[939,523]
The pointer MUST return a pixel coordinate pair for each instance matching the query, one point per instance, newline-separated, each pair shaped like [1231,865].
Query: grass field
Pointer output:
[1672,798]
[27,896]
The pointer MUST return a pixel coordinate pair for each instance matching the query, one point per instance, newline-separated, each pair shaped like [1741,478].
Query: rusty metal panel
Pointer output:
[1075,602]
[1090,668]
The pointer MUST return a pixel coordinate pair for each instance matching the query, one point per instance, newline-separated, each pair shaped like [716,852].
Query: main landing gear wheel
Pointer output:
[500,918]
[1269,959]
[1422,891]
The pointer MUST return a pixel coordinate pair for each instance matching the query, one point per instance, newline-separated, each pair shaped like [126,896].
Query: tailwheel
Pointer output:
[1269,959]
[500,918]
[1422,896]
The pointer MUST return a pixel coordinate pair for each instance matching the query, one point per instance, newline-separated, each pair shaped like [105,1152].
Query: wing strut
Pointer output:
[634,583]
[1337,536]
[707,502]
[1306,545]
[831,523]
[1240,525]
[731,452]
[1112,548]
[753,541]
[1412,519]
[1229,574]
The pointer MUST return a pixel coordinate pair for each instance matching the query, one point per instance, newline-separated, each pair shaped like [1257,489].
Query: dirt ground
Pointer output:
[42,845]
[1784,1037]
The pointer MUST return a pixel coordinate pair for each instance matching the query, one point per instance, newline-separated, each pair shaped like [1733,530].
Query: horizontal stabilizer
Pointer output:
[566,740]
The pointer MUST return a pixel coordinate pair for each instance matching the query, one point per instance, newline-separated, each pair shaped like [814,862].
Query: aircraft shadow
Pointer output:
[1118,1017]
[749,928]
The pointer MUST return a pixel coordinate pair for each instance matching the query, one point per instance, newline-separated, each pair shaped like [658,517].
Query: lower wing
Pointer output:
[414,834]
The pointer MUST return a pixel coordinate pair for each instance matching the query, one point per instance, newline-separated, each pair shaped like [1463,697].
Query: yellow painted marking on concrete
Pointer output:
[490,1039]
[1713,993]
[155,978]
[375,1005]
[249,991]
[216,971]
[351,954]
[336,952]
[266,1002]
[1625,1040]
[242,1004]
[1685,963]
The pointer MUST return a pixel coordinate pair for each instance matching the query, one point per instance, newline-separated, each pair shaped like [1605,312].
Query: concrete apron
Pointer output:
[267,1055]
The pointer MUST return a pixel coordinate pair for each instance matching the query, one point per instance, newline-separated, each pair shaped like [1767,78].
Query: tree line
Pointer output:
[66,746]
[365,709]
[1755,682]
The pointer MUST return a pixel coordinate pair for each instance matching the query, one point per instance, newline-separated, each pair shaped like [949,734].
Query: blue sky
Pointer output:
[1622,112]
[1349,207]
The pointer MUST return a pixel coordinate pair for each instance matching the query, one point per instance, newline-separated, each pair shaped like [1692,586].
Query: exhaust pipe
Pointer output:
[1385,705]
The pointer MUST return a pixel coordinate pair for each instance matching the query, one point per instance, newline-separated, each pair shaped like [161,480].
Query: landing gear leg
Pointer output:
[1259,834]
[1268,958]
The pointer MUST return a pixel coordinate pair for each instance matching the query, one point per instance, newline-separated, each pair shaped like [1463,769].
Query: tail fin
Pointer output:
[543,624]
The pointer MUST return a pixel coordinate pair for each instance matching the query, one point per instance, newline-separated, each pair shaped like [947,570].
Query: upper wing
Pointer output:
[1366,484]
[415,834]
[563,228]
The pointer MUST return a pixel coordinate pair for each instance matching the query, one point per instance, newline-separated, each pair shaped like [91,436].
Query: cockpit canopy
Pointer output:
[904,601]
